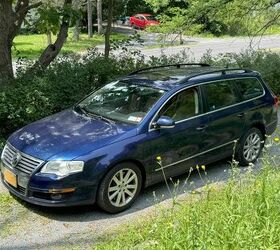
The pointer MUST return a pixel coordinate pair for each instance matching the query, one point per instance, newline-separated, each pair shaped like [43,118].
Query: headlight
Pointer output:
[63,168]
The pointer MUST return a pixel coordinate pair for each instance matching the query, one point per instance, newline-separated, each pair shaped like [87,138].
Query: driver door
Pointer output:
[178,146]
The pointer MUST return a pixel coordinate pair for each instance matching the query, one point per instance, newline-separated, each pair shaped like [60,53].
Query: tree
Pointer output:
[99,16]
[89,16]
[233,17]
[109,27]
[77,29]
[50,53]
[11,19]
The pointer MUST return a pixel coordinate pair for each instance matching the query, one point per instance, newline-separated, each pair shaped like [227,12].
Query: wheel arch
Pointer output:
[133,161]
[259,126]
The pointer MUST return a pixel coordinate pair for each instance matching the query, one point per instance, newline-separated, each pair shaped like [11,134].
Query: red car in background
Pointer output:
[142,21]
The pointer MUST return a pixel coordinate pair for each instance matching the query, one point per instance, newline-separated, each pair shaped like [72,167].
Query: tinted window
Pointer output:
[182,106]
[220,94]
[249,88]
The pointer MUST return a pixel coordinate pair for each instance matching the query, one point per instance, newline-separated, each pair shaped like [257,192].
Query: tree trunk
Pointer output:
[11,20]
[6,68]
[109,27]
[49,37]
[77,30]
[50,53]
[89,15]
[6,38]
[99,16]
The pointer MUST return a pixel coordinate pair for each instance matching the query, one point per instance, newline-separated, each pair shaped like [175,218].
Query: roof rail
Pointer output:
[178,66]
[222,71]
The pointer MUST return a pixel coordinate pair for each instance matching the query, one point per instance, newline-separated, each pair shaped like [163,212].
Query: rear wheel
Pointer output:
[119,188]
[250,147]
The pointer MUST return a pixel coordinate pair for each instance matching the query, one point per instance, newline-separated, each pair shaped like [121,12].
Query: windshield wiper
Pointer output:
[102,118]
[92,114]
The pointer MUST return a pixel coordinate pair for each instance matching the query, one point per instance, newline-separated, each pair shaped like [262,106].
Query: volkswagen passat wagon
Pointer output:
[104,149]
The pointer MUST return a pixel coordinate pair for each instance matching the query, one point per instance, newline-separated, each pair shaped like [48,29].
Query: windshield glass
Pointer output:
[122,101]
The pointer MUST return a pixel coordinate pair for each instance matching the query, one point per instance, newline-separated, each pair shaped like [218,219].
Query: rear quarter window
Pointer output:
[249,88]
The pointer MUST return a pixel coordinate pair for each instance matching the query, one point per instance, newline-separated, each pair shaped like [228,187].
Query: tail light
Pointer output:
[276,102]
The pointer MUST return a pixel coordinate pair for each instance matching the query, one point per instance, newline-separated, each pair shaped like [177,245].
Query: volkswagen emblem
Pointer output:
[16,159]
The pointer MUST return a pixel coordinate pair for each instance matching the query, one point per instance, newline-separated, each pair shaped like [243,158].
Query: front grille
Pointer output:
[26,164]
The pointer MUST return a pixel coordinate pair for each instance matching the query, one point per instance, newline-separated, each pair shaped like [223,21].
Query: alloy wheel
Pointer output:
[252,147]
[123,187]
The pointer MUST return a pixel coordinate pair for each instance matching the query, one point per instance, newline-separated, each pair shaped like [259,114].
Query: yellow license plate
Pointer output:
[10,177]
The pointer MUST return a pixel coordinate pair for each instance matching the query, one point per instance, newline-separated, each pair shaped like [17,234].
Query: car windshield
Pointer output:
[121,101]
[151,18]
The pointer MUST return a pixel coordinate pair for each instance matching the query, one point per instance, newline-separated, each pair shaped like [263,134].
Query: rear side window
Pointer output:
[220,94]
[249,88]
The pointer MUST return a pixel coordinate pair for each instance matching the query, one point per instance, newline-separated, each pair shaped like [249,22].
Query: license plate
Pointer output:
[9,177]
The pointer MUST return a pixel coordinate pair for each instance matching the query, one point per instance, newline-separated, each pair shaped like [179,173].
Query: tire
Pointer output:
[249,147]
[122,195]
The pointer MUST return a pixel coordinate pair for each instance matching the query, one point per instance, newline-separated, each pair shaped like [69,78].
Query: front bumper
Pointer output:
[84,195]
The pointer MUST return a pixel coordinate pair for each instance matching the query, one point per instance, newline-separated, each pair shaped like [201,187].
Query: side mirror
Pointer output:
[164,122]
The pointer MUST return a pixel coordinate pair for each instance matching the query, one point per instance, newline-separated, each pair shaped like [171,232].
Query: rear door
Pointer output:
[226,119]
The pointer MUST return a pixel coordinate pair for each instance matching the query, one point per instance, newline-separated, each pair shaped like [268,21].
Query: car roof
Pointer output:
[143,14]
[171,76]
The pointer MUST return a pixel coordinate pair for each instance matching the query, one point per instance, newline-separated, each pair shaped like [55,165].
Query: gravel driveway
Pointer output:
[32,227]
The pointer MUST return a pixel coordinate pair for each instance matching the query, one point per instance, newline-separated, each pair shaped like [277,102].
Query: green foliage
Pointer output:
[49,17]
[219,17]
[243,214]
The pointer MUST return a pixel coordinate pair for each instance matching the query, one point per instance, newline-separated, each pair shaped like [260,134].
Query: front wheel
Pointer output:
[250,147]
[119,188]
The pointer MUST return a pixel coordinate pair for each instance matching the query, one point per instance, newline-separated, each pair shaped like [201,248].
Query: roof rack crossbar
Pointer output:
[222,71]
[178,65]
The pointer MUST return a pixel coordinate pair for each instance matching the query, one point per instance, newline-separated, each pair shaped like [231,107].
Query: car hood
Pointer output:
[67,135]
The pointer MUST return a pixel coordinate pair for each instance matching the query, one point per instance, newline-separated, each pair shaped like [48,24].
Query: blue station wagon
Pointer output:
[105,148]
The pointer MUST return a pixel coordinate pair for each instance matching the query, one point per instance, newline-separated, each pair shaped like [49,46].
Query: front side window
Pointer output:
[121,101]
[182,106]
[220,94]
[249,88]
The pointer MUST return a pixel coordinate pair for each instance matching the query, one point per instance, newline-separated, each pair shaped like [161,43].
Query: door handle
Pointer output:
[203,127]
[241,115]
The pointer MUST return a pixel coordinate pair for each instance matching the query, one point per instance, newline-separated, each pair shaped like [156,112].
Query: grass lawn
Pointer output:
[31,46]
[242,214]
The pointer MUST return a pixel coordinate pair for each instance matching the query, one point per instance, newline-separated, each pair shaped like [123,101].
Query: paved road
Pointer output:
[197,47]
[220,46]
